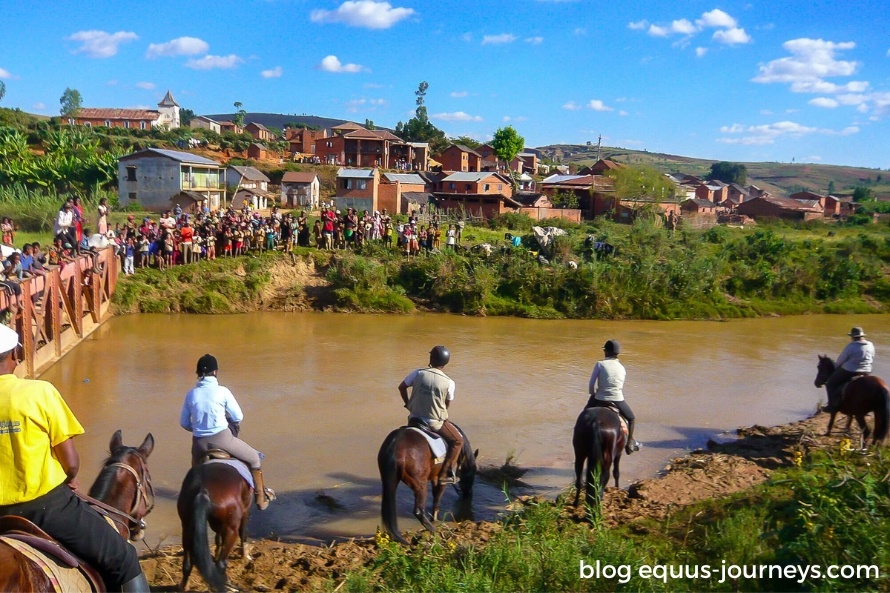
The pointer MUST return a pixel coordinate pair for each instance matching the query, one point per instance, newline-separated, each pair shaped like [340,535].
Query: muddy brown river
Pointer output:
[319,395]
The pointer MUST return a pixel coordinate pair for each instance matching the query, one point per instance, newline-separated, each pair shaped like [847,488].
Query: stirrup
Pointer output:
[449,478]
[633,446]
[268,496]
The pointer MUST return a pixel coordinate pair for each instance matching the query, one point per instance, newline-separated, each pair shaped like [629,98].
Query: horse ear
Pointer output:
[116,441]
[147,446]
[476,454]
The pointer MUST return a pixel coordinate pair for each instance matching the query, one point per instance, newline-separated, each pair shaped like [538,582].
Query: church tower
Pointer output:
[169,112]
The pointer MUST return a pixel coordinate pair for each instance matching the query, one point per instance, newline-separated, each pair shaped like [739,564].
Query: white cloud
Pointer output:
[572,106]
[272,72]
[579,31]
[534,40]
[638,25]
[456,116]
[519,118]
[100,44]
[768,133]
[716,18]
[353,105]
[333,64]
[498,39]
[598,105]
[734,36]
[657,31]
[146,85]
[459,94]
[701,51]
[210,62]
[766,112]
[468,37]
[366,14]
[38,106]
[5,74]
[622,113]
[810,62]
[824,102]
[181,46]
[683,26]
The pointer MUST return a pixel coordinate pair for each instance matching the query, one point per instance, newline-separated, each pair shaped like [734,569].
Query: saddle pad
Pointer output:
[437,445]
[65,580]
[238,465]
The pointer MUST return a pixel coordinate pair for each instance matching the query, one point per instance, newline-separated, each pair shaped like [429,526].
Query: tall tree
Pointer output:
[186,116]
[641,182]
[2,90]
[466,141]
[71,103]
[831,187]
[369,124]
[238,118]
[862,194]
[507,143]
[729,172]
[419,128]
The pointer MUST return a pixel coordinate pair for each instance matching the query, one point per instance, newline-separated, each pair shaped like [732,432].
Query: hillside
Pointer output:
[778,178]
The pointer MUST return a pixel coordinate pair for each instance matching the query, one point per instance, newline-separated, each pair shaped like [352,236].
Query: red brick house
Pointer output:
[357,188]
[458,157]
[165,116]
[302,140]
[259,132]
[391,194]
[227,126]
[482,182]
[785,208]
[355,146]
[713,191]
[257,152]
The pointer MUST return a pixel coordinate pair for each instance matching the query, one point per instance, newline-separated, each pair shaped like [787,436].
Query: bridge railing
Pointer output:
[56,310]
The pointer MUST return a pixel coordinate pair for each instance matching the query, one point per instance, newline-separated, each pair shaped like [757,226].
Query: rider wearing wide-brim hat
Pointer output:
[856,359]
[606,388]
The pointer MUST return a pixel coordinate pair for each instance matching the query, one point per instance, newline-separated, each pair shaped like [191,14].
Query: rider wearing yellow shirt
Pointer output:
[38,474]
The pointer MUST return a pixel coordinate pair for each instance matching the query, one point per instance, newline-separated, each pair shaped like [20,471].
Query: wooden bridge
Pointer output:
[60,308]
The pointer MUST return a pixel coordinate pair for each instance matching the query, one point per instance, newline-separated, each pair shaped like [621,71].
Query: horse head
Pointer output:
[823,370]
[466,469]
[124,483]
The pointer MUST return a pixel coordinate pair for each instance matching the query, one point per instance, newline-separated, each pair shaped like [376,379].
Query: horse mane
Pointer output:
[105,480]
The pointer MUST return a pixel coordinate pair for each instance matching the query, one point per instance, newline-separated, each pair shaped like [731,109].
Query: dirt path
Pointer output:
[718,471]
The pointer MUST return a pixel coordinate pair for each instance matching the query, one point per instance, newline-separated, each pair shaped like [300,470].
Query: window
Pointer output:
[468,187]
[88,124]
[127,124]
[131,174]
[451,185]
[500,186]
[355,183]
[70,121]
[132,196]
[107,123]
[142,125]
[485,187]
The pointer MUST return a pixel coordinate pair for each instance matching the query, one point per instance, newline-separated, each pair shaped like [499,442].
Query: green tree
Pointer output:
[369,124]
[466,141]
[641,182]
[186,116]
[419,128]
[2,90]
[71,103]
[507,143]
[863,194]
[729,172]
[238,117]
[831,187]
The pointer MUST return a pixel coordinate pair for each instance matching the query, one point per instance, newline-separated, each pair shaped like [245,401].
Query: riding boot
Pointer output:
[632,444]
[450,466]
[263,495]
[136,585]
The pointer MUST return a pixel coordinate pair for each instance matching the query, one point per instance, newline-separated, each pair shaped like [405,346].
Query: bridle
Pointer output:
[133,520]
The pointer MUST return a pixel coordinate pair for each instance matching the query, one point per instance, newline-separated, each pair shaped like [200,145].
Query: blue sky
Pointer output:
[807,81]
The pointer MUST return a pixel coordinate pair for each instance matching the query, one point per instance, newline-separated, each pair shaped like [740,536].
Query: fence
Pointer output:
[57,310]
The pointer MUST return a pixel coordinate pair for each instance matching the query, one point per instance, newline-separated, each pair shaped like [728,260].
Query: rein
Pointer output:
[144,492]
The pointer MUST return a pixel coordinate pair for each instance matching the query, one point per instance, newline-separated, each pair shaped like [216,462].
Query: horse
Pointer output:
[122,491]
[405,456]
[215,494]
[860,396]
[598,439]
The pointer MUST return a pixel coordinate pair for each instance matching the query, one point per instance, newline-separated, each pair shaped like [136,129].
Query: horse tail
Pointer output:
[389,478]
[595,463]
[882,414]
[212,573]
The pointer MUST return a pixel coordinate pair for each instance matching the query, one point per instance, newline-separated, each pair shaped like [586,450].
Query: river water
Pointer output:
[319,396]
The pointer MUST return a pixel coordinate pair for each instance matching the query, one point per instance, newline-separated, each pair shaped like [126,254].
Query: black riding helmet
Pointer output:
[612,348]
[207,364]
[439,356]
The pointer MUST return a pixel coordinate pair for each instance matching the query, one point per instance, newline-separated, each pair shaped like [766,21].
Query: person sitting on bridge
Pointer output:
[38,474]
[432,392]
[213,416]
[855,360]
[606,389]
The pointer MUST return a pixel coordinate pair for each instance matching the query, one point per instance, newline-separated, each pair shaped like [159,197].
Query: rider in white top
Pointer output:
[856,359]
[606,387]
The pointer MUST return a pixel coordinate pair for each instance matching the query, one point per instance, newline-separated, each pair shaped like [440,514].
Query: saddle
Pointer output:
[61,566]
[614,408]
[438,446]
[220,456]
[210,454]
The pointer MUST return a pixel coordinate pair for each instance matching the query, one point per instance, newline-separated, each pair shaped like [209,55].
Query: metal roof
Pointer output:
[250,173]
[356,173]
[561,178]
[413,178]
[176,155]
[469,176]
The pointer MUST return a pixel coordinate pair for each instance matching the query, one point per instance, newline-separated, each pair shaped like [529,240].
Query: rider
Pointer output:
[432,392]
[212,415]
[607,388]
[38,474]
[855,360]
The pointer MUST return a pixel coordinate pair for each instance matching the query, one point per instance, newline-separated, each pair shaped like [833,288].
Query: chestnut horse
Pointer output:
[860,396]
[599,440]
[405,456]
[213,493]
[124,493]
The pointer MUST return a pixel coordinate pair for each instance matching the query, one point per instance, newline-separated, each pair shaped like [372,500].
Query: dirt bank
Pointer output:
[718,471]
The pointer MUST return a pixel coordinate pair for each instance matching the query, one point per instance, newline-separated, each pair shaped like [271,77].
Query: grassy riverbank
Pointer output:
[654,274]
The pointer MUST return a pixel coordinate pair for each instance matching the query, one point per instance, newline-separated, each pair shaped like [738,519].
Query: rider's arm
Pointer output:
[185,417]
[591,387]
[233,410]
[403,391]
[845,355]
[70,461]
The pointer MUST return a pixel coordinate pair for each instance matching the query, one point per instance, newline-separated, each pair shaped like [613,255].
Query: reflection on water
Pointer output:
[319,395]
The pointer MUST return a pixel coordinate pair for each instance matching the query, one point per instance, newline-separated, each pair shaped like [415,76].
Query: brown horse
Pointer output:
[213,493]
[598,439]
[860,396]
[405,457]
[124,493]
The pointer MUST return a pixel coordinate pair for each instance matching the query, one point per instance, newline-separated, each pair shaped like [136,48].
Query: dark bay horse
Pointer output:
[860,396]
[124,493]
[214,494]
[599,440]
[405,457]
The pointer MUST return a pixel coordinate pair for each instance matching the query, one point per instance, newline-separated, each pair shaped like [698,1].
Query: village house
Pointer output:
[301,141]
[601,167]
[355,146]
[257,151]
[154,176]
[259,132]
[228,126]
[247,178]
[696,208]
[402,192]
[205,123]
[166,116]
[483,193]
[714,191]
[595,193]
[300,189]
[784,208]
[458,157]
[357,188]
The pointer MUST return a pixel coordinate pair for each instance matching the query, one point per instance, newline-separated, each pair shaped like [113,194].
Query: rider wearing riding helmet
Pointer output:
[212,415]
[606,388]
[855,360]
[432,392]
